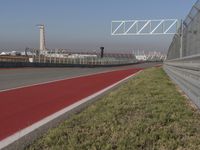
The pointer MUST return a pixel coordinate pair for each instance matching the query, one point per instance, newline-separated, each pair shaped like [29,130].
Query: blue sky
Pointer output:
[84,24]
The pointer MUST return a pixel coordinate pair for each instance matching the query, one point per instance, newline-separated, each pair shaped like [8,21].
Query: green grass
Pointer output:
[146,113]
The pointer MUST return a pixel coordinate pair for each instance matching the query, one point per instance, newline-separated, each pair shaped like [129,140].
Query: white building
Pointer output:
[141,57]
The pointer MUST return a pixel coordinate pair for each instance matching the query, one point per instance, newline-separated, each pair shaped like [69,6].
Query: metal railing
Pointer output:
[186,73]
[72,58]
[85,61]
[183,58]
[14,59]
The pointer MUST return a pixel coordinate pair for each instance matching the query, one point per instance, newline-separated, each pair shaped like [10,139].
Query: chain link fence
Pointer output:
[190,32]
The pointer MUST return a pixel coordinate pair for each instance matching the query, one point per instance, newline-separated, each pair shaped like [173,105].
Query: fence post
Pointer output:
[55,55]
[181,40]
[39,56]
[50,55]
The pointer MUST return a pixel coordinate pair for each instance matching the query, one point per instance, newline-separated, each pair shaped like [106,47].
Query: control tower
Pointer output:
[42,37]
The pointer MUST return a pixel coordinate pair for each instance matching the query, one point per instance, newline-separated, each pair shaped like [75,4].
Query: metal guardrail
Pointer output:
[186,73]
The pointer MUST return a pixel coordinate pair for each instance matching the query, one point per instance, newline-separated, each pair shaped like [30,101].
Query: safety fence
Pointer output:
[183,58]
[69,58]
[14,59]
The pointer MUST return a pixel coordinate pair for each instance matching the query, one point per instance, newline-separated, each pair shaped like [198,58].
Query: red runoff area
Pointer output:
[22,107]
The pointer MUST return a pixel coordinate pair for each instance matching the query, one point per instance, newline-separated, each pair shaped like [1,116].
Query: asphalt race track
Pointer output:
[22,107]
[29,96]
[13,78]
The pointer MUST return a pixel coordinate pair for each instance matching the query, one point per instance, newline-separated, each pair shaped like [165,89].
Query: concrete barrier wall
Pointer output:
[27,64]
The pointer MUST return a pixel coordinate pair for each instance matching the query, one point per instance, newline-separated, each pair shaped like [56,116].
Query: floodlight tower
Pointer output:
[42,37]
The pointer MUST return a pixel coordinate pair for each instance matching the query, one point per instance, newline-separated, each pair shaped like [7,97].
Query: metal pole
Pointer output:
[50,55]
[124,27]
[181,40]
[33,55]
[39,56]
[55,55]
[59,57]
[44,58]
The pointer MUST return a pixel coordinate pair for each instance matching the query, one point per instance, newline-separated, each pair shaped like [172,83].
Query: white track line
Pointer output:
[5,142]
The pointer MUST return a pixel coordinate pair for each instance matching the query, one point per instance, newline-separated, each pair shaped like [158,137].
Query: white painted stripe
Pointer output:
[5,142]
[20,87]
